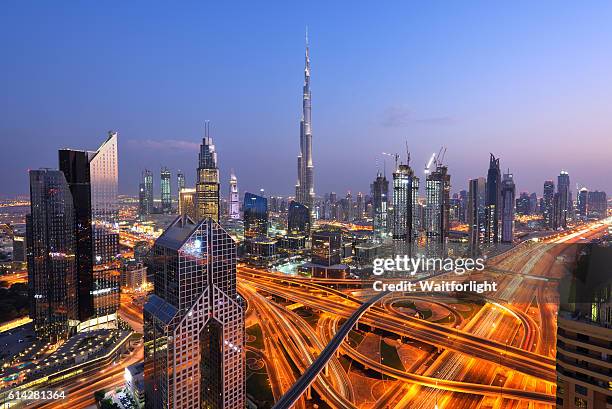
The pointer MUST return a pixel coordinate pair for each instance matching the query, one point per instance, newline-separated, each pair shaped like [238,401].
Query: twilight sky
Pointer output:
[528,81]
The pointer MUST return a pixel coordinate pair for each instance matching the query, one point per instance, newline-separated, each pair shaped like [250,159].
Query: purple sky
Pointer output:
[531,83]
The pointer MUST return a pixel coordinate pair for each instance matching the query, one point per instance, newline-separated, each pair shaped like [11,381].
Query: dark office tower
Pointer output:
[207,184]
[166,191]
[348,208]
[533,203]
[565,204]
[582,202]
[476,212]
[597,207]
[523,205]
[180,182]
[255,209]
[298,219]
[547,203]
[145,194]
[326,248]
[304,188]
[93,179]
[463,198]
[437,195]
[508,192]
[194,322]
[380,196]
[493,202]
[360,206]
[52,274]
[403,202]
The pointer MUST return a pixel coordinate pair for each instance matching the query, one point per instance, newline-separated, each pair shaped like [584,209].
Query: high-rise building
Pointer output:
[166,190]
[298,219]
[93,181]
[547,202]
[360,205]
[304,189]
[523,205]
[180,182]
[194,321]
[507,208]
[476,212]
[255,209]
[234,204]
[207,184]
[582,202]
[565,201]
[493,202]
[187,203]
[437,195]
[404,183]
[326,248]
[52,269]
[533,203]
[463,198]
[380,196]
[597,207]
[145,194]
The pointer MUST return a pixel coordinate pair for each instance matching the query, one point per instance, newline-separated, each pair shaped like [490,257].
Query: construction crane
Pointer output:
[428,164]
[395,156]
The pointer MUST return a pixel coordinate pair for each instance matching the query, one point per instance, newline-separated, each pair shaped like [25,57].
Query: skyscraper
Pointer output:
[597,206]
[565,204]
[493,202]
[93,181]
[523,204]
[166,190]
[437,195]
[476,212]
[298,219]
[508,193]
[207,184]
[403,202]
[180,182]
[304,189]
[145,194]
[582,202]
[548,203]
[194,322]
[380,193]
[255,210]
[187,206]
[234,205]
[52,273]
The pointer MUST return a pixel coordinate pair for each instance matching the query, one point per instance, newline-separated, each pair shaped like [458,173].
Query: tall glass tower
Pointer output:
[565,202]
[304,189]
[255,210]
[403,215]
[145,194]
[166,190]
[52,268]
[194,322]
[207,183]
[548,203]
[93,181]
[380,196]
[437,194]
[508,193]
[493,202]
[234,204]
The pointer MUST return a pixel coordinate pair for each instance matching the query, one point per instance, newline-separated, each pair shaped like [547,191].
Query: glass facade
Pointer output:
[194,321]
[403,202]
[93,180]
[298,219]
[326,248]
[207,184]
[437,193]
[380,195]
[52,268]
[255,215]
[166,190]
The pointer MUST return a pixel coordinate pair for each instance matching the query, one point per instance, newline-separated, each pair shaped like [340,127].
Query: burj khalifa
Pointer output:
[304,189]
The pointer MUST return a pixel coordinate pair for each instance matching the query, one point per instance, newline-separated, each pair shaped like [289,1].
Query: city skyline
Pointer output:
[375,88]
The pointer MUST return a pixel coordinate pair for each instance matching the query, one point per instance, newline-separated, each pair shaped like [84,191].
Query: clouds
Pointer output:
[400,116]
[164,144]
